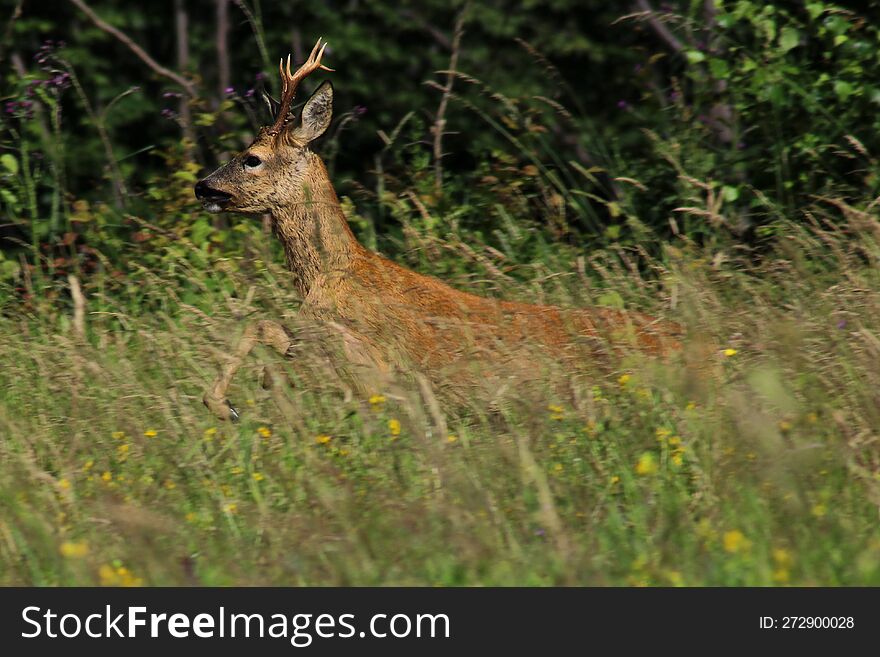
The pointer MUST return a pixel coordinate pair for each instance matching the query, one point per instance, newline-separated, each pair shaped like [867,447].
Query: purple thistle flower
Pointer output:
[229,91]
[622,105]
[169,114]
[249,93]
[841,324]
[261,76]
[21,108]
[359,110]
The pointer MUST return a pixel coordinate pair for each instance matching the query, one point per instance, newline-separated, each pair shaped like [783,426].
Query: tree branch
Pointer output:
[136,49]
[662,31]
[439,127]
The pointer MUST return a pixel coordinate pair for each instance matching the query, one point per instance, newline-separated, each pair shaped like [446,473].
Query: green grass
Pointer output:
[757,468]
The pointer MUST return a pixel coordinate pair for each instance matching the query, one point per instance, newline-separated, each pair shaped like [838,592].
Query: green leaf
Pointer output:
[729,193]
[8,197]
[719,68]
[695,56]
[205,119]
[814,9]
[9,163]
[843,89]
[789,39]
[610,299]
[200,231]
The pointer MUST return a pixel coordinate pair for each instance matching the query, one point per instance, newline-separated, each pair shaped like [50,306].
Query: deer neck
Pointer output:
[318,243]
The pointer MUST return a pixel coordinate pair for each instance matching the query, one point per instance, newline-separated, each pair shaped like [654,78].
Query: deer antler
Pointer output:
[289,83]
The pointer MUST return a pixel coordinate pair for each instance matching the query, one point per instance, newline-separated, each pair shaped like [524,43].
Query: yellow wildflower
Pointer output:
[690,406]
[120,576]
[190,517]
[118,435]
[74,550]
[231,508]
[647,464]
[170,485]
[558,467]
[394,427]
[375,400]
[735,541]
[88,465]
[705,531]
[151,433]
[819,510]
[729,352]
[614,480]
[677,460]
[236,470]
[265,432]
[258,476]
[64,484]
[781,576]
[323,440]
[107,476]
[624,379]
[782,557]
[451,438]
[675,578]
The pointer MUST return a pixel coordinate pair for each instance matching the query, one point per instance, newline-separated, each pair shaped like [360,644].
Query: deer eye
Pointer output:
[252,162]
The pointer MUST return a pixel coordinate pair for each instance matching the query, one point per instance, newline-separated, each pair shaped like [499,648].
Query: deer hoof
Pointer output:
[267,381]
[221,407]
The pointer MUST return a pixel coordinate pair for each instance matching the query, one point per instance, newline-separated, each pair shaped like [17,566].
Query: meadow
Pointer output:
[750,458]
[763,473]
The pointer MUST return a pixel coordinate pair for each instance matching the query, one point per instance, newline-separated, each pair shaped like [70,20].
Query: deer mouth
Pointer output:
[213,200]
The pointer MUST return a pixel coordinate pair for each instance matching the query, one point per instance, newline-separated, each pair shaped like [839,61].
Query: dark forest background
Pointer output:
[587,113]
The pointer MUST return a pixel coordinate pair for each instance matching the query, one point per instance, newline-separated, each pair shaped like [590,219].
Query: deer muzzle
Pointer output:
[213,199]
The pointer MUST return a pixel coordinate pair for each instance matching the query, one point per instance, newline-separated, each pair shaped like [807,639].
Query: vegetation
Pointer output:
[707,162]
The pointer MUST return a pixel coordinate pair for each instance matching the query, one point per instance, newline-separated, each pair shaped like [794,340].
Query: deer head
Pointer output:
[276,169]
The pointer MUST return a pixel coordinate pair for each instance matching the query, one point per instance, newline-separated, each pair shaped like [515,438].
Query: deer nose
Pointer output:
[204,191]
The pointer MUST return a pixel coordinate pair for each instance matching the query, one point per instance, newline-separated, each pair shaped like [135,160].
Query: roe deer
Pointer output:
[386,318]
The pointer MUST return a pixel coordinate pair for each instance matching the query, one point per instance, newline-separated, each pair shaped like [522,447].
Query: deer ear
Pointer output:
[316,114]
[272,104]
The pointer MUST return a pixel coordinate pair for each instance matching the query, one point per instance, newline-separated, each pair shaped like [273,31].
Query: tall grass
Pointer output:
[760,469]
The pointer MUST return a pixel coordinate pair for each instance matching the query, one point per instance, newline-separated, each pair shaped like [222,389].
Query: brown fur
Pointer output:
[387,318]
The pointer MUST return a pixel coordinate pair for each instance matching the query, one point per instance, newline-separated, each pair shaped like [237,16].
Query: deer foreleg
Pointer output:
[265,332]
